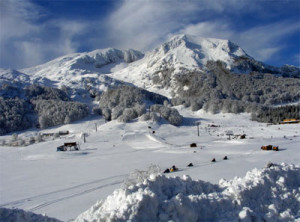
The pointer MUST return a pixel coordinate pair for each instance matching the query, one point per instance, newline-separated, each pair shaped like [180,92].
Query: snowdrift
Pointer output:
[18,215]
[270,194]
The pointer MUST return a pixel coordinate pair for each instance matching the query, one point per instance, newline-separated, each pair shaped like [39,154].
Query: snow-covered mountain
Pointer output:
[192,52]
[87,62]
[181,54]
[185,53]
[84,70]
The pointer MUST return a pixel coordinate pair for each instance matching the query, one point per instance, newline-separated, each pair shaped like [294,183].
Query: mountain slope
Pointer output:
[156,71]
[84,70]
[178,54]
[88,62]
[159,70]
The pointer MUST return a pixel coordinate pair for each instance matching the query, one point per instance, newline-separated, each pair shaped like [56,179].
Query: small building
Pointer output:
[63,133]
[267,147]
[243,136]
[270,147]
[71,146]
[213,125]
[193,145]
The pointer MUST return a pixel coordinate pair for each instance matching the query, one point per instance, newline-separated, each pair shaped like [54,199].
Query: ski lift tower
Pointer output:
[229,133]
[198,123]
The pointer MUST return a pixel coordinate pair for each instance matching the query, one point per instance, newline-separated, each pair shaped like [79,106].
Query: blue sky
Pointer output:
[35,31]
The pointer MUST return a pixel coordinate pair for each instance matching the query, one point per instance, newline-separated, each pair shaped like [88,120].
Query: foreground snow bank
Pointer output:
[270,194]
[17,215]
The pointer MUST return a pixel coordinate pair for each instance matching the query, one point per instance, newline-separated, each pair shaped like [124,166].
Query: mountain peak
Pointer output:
[207,44]
[193,52]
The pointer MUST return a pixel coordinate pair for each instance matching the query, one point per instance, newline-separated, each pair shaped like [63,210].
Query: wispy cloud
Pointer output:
[25,41]
[29,37]
[144,24]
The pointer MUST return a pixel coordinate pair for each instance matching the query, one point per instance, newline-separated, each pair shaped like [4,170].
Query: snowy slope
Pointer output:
[88,62]
[185,53]
[190,52]
[41,180]
[84,71]
[11,75]
[17,215]
[177,55]
[20,79]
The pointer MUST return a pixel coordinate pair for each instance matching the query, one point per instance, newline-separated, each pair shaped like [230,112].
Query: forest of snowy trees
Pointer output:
[36,106]
[56,112]
[127,102]
[15,115]
[221,90]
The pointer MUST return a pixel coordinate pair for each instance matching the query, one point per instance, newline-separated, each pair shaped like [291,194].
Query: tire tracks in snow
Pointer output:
[73,194]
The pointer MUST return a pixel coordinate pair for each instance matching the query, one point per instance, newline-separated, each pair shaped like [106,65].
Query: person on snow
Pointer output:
[167,170]
[173,168]
[213,160]
[225,158]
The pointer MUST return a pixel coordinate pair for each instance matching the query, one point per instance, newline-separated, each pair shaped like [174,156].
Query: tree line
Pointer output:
[277,114]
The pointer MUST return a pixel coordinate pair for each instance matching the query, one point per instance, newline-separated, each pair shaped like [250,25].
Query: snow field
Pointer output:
[41,180]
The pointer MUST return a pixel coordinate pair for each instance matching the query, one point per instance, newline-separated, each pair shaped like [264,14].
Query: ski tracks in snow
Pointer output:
[43,200]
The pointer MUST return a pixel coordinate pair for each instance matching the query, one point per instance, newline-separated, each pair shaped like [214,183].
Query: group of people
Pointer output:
[174,168]
[214,159]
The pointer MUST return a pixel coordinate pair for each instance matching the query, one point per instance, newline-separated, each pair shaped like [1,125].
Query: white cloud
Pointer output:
[14,17]
[266,53]
[24,42]
[220,30]
[265,41]
[138,24]
[143,24]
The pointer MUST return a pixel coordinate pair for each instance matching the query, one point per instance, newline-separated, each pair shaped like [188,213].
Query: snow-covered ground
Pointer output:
[62,185]
[270,194]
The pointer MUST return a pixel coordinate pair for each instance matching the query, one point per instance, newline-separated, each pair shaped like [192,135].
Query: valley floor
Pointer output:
[64,184]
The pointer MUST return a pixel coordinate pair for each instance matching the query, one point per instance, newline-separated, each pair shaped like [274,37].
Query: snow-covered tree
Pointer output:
[114,102]
[56,112]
